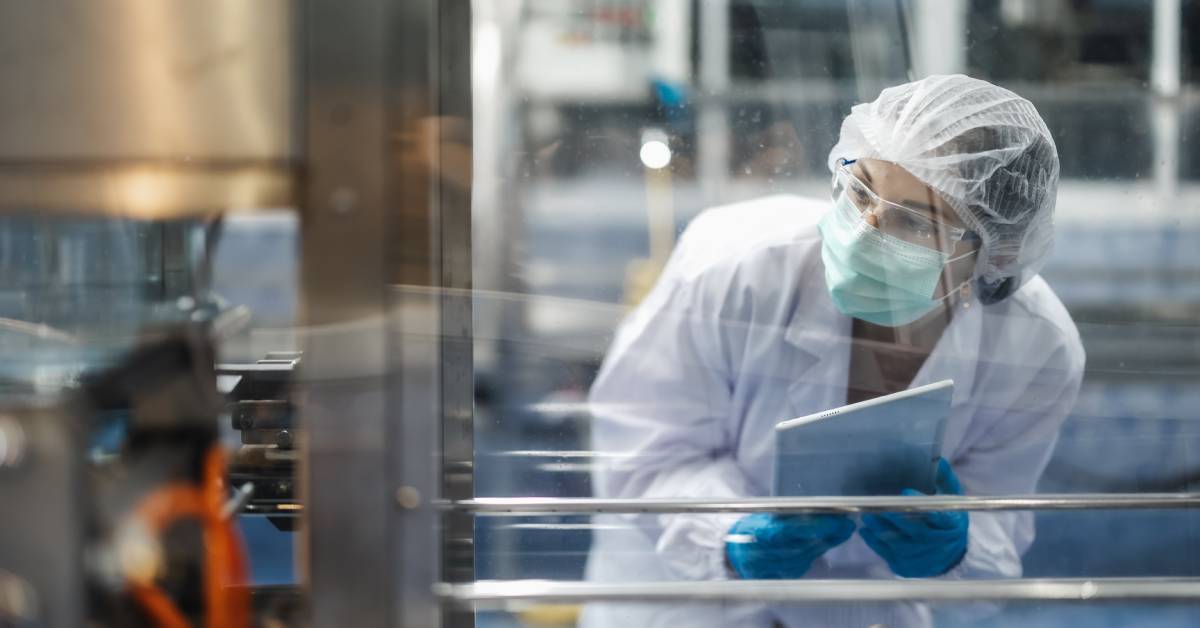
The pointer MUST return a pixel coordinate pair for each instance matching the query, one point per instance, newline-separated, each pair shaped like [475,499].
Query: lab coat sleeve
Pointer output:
[1009,458]
[661,421]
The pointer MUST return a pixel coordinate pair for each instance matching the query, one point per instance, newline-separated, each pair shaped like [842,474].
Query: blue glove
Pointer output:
[920,545]
[783,546]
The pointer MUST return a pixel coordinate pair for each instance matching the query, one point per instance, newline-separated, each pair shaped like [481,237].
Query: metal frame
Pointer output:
[345,546]
[387,375]
[453,227]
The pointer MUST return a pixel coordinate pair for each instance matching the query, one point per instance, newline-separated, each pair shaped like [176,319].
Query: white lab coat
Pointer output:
[740,333]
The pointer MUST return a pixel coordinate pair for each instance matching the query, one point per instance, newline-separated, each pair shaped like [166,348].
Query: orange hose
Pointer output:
[158,606]
[169,503]
[228,603]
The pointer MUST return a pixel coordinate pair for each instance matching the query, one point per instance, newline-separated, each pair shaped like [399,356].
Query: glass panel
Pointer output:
[603,269]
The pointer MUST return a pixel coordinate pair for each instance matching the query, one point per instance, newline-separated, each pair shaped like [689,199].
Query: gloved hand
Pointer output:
[766,545]
[920,545]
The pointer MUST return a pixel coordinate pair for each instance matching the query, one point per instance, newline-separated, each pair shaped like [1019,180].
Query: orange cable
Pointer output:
[228,603]
[158,606]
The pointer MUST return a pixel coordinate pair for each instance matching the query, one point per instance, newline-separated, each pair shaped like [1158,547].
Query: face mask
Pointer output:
[876,277]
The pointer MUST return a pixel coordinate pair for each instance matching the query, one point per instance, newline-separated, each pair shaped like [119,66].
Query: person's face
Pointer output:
[895,184]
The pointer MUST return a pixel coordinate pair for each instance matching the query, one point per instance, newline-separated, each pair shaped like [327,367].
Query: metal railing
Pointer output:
[531,506]
[499,594]
[502,593]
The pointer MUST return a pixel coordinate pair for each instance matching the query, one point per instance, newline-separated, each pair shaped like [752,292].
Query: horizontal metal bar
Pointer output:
[500,592]
[523,506]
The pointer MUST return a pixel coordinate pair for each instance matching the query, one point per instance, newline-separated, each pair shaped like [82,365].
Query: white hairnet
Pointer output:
[985,150]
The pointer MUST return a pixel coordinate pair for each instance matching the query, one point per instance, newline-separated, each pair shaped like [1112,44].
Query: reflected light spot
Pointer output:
[486,61]
[656,154]
[144,192]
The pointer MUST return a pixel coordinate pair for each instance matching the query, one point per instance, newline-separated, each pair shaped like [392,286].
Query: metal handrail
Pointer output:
[525,506]
[501,592]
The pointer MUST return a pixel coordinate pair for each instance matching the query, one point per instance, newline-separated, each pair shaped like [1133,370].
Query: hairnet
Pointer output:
[985,150]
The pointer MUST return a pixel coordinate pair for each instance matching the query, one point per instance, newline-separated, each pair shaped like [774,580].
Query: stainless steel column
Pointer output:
[712,124]
[386,273]
[347,542]
[1166,109]
[452,203]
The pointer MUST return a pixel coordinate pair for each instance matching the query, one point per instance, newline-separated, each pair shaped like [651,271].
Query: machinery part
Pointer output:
[226,605]
[147,109]
[41,534]
[260,407]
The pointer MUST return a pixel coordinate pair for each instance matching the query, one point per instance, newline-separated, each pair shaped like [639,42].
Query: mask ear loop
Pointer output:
[963,289]
[968,290]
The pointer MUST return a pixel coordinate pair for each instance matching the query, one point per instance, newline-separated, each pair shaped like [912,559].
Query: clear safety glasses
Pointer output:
[905,223]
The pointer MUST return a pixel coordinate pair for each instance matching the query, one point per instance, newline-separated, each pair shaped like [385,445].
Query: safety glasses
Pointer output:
[894,219]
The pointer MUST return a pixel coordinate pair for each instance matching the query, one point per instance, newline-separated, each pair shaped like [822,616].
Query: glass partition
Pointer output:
[587,182]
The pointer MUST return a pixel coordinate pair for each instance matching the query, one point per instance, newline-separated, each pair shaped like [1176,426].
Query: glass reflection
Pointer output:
[578,205]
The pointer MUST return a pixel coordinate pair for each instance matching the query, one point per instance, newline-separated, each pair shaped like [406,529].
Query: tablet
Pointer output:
[875,447]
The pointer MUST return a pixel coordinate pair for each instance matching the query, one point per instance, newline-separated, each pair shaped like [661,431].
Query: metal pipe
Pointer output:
[939,40]
[1165,63]
[524,506]
[712,136]
[1166,112]
[499,592]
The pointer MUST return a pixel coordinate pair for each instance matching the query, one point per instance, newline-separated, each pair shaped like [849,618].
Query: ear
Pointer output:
[995,292]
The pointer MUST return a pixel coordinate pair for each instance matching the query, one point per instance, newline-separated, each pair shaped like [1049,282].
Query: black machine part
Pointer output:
[262,410]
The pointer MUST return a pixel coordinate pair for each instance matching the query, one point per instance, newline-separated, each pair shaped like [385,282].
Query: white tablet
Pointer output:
[875,447]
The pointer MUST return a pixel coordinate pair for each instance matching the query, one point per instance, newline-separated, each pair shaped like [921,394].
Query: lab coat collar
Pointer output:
[956,355]
[815,326]
[822,334]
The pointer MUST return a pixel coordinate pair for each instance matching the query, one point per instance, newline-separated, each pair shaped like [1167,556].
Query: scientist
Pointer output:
[923,268]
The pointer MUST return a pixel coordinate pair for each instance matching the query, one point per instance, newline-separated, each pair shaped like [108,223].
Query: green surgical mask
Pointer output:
[876,277]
